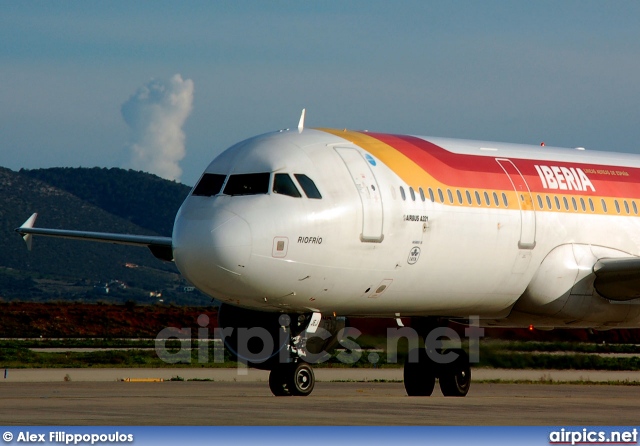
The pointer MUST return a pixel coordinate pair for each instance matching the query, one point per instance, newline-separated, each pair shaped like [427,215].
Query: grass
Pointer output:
[577,347]
[508,360]
[141,353]
[21,357]
[88,343]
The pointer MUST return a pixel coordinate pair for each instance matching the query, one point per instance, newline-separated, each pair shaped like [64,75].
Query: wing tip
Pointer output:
[28,224]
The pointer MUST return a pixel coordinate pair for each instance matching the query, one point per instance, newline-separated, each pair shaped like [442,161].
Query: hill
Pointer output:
[145,200]
[110,200]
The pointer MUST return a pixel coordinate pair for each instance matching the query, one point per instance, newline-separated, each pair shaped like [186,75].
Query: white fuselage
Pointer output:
[373,246]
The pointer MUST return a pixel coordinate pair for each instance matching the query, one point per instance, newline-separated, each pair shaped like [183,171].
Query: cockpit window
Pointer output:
[283,184]
[209,185]
[248,184]
[308,186]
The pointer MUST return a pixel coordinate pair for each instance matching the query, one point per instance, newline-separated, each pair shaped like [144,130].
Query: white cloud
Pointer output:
[156,113]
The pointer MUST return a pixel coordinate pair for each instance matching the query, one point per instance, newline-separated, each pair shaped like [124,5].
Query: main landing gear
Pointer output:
[420,376]
[424,365]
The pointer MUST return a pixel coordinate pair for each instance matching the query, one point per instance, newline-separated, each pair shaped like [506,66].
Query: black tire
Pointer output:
[301,379]
[278,381]
[455,378]
[419,377]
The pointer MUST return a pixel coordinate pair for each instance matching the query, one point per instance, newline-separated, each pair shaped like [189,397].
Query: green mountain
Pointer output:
[108,200]
[144,199]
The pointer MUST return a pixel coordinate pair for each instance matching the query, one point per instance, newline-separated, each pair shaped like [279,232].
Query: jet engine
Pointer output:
[562,292]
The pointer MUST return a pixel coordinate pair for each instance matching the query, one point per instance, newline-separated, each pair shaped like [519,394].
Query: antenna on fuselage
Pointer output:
[301,122]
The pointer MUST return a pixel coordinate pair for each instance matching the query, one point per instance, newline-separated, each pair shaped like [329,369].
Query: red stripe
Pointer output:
[449,168]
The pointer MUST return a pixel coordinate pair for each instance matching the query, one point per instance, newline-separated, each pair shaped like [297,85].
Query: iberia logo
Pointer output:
[563,178]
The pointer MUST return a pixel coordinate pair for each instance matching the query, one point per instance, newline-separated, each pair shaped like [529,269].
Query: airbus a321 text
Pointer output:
[293,231]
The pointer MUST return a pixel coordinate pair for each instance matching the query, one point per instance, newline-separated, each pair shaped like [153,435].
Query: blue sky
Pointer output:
[563,72]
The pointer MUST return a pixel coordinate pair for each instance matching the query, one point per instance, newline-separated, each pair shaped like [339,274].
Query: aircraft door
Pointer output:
[525,201]
[369,191]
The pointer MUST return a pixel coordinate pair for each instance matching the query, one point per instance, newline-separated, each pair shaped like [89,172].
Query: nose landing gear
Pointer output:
[293,379]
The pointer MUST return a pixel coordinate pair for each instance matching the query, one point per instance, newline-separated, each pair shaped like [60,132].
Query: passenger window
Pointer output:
[626,206]
[635,208]
[478,200]
[459,194]
[431,197]
[566,203]
[422,197]
[248,184]
[450,196]
[540,202]
[440,196]
[582,205]
[495,199]
[557,203]
[413,194]
[504,200]
[486,199]
[209,185]
[283,185]
[402,194]
[591,206]
[469,197]
[617,206]
[573,202]
[549,202]
[308,186]
[604,205]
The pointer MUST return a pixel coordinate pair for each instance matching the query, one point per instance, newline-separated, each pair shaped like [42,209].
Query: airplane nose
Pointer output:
[212,249]
[231,243]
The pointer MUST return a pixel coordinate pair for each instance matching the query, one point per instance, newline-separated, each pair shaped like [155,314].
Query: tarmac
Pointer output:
[352,396]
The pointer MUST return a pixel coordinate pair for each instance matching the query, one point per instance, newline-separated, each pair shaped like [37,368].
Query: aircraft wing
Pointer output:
[160,247]
[618,278]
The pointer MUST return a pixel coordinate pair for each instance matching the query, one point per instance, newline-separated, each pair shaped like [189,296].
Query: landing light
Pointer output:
[530,327]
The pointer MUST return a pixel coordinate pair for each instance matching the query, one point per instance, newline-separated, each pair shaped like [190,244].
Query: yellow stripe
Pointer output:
[403,166]
[411,173]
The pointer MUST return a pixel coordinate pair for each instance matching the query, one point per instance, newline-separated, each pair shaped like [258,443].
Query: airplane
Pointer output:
[295,230]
